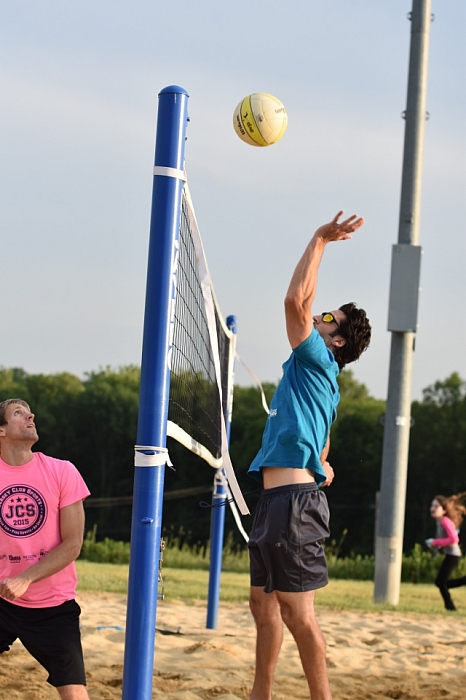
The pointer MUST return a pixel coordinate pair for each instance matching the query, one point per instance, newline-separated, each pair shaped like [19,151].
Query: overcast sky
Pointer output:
[79,85]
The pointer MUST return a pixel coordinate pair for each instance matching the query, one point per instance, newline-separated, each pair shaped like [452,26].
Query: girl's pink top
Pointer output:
[452,534]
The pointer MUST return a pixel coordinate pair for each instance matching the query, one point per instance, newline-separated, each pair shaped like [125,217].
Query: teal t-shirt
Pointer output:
[302,410]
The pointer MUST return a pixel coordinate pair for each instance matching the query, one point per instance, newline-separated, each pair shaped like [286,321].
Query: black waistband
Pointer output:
[307,486]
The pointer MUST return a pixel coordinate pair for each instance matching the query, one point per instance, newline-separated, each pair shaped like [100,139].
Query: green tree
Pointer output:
[249,418]
[52,398]
[355,454]
[437,453]
[92,422]
[105,425]
[12,383]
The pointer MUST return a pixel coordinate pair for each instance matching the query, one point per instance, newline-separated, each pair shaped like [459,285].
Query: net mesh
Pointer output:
[194,401]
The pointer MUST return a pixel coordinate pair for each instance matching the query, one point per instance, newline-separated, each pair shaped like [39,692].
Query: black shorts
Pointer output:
[285,545]
[51,635]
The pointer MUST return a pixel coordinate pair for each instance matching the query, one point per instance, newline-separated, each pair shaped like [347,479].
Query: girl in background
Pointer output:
[449,514]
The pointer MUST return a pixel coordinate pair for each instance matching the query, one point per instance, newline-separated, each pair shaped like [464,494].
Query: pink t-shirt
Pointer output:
[30,500]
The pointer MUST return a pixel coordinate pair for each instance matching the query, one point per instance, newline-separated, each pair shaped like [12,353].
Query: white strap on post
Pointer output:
[158,456]
[170,172]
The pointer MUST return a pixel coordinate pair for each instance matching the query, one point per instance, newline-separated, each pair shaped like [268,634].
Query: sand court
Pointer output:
[370,655]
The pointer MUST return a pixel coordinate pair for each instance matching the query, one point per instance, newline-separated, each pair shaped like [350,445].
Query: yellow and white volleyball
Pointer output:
[260,119]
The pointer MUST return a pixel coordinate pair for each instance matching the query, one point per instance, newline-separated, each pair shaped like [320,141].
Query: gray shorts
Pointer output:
[285,545]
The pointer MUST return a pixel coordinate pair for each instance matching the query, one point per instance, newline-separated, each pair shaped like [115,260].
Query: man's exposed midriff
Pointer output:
[282,476]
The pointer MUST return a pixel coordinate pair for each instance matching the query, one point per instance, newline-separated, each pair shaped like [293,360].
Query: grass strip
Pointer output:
[191,585]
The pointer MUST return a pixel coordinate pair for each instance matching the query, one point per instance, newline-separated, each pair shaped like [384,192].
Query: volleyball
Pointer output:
[260,119]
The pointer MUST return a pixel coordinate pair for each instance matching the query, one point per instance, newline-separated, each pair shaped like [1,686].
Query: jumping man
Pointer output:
[287,560]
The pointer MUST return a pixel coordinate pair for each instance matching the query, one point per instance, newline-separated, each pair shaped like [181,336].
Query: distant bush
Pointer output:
[106,552]
[419,566]
[177,554]
[184,556]
[422,566]
[358,568]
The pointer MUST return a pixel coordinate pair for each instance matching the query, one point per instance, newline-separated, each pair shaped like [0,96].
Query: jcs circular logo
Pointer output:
[22,511]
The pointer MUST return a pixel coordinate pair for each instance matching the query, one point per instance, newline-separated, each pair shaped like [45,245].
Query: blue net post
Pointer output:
[219,502]
[153,397]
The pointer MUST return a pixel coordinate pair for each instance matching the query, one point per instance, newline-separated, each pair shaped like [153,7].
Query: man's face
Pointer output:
[19,425]
[327,330]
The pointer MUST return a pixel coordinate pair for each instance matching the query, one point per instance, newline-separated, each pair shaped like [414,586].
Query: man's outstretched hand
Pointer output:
[339,231]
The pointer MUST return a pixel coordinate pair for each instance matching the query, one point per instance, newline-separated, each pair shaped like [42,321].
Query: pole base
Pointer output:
[388,554]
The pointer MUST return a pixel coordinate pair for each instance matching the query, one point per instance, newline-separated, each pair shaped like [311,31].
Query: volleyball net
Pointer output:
[196,407]
[201,358]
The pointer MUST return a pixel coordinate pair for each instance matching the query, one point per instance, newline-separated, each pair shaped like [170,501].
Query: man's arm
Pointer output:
[329,473]
[72,532]
[325,451]
[303,285]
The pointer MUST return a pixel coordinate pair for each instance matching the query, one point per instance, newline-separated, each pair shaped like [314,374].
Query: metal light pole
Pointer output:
[402,321]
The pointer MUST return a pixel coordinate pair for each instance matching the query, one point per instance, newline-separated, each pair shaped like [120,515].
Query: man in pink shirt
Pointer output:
[41,534]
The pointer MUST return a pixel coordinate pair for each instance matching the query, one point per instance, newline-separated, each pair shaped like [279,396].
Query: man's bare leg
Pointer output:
[73,692]
[266,613]
[297,611]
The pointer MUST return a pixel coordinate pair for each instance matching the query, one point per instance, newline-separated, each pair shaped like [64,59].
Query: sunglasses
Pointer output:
[328,317]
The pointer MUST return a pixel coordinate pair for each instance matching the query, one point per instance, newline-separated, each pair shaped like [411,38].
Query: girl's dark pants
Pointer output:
[449,564]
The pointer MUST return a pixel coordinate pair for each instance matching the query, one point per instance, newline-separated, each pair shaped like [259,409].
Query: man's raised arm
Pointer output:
[303,285]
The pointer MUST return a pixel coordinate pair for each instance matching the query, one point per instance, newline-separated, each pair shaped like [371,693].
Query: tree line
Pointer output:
[92,422]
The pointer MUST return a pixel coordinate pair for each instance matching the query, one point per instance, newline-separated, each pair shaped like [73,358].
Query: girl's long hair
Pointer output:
[453,507]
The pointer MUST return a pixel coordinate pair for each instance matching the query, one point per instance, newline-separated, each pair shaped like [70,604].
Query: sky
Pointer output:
[79,85]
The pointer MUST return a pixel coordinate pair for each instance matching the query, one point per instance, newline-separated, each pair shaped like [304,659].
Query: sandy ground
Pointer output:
[370,656]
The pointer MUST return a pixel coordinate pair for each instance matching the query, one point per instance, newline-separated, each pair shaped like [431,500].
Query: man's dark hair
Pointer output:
[4,404]
[356,330]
